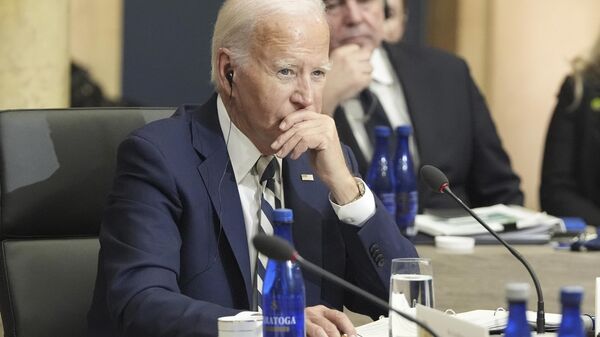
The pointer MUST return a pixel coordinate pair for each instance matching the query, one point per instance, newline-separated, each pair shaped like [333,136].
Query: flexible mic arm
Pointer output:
[438,181]
[540,320]
[279,249]
[307,265]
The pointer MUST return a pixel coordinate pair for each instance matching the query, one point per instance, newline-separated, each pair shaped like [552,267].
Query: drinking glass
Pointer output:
[411,283]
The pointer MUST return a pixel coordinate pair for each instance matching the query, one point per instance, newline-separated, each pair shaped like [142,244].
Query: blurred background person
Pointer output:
[87,92]
[571,164]
[395,21]
[375,83]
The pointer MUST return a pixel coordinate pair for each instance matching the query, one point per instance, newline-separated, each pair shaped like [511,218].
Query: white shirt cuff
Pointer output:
[357,212]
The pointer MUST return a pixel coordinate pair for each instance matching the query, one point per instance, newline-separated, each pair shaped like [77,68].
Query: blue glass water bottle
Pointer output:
[571,324]
[283,298]
[380,176]
[517,295]
[407,201]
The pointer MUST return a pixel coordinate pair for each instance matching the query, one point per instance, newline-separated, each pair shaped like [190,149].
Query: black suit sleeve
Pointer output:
[492,180]
[562,188]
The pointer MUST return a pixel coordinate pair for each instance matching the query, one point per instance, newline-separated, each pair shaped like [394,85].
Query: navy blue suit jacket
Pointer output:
[174,253]
[453,129]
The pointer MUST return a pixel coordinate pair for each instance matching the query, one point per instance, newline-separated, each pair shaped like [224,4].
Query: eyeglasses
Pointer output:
[335,6]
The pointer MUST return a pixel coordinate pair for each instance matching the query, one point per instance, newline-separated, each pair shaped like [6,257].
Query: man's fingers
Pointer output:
[330,329]
[364,54]
[299,150]
[289,145]
[352,49]
[342,321]
[302,128]
[321,319]
[300,139]
[297,117]
[313,330]
[346,49]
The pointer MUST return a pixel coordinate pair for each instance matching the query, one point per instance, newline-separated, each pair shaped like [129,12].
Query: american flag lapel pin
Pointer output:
[307,177]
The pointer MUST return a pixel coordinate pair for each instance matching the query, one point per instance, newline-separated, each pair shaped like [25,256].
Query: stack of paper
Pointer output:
[494,321]
[498,217]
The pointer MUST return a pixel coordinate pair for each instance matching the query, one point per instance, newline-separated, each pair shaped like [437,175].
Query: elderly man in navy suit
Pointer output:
[376,83]
[175,241]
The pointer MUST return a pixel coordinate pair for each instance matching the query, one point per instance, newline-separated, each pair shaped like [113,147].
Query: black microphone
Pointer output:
[437,181]
[279,249]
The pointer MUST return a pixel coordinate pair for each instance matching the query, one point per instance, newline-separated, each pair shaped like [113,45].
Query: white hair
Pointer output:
[237,20]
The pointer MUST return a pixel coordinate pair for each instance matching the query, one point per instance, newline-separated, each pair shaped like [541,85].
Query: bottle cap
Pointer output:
[404,130]
[283,215]
[382,131]
[517,291]
[571,295]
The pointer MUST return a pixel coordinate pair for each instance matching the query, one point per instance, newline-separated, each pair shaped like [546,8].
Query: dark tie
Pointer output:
[374,114]
[267,168]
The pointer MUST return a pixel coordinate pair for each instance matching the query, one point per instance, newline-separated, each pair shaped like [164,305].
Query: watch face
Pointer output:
[361,187]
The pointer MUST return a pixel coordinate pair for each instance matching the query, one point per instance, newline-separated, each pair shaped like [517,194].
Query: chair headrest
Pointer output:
[57,167]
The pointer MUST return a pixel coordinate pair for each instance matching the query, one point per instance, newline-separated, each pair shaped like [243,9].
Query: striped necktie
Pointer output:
[267,168]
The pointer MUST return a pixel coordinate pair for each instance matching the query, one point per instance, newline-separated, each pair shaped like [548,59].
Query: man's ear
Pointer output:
[225,70]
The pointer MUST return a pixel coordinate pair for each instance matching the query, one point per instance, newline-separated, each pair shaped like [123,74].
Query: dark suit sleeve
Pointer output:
[378,239]
[491,178]
[560,192]
[140,244]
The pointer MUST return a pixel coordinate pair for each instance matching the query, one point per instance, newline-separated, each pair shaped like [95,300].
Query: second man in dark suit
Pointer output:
[375,83]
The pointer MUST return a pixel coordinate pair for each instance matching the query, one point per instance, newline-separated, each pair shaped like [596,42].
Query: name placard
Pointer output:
[597,306]
[447,325]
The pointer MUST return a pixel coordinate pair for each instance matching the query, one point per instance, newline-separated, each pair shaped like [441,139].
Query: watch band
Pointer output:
[361,189]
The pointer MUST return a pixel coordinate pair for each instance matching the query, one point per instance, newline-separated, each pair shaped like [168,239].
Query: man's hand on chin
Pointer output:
[351,72]
[324,322]
[306,130]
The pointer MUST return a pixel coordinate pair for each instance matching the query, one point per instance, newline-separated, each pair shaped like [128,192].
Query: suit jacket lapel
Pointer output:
[309,201]
[347,137]
[218,176]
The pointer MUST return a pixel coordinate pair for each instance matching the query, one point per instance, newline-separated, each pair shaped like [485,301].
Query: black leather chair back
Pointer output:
[56,169]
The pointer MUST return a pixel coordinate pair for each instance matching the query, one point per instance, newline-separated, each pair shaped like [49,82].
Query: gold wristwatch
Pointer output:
[361,189]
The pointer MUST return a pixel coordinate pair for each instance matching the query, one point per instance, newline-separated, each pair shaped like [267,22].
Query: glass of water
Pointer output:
[411,284]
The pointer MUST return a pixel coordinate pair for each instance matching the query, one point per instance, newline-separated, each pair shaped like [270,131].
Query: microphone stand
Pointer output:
[540,320]
[338,280]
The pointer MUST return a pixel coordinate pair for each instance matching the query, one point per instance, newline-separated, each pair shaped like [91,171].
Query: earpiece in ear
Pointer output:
[229,76]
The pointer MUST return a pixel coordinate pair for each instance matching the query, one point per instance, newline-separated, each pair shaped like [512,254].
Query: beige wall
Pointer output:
[38,40]
[34,68]
[96,40]
[520,52]
[473,29]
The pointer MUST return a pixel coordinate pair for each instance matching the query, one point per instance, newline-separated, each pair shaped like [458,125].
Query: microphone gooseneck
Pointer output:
[279,249]
[437,181]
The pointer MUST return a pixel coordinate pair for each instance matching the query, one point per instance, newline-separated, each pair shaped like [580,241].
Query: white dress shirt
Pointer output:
[243,156]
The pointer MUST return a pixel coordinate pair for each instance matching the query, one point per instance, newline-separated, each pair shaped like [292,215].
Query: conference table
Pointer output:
[476,280]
